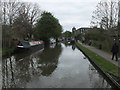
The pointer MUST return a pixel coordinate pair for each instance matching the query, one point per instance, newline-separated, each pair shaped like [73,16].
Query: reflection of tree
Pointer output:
[8,73]
[49,59]
[23,74]
[17,73]
[96,80]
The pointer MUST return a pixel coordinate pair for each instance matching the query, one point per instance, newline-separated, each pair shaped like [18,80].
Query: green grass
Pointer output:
[0,51]
[7,50]
[103,63]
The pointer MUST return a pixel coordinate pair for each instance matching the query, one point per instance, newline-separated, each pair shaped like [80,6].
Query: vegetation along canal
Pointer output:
[56,66]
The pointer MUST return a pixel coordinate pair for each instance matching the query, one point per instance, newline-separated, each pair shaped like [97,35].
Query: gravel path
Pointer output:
[103,54]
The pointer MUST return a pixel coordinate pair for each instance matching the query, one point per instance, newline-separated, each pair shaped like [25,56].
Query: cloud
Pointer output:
[61,1]
[69,12]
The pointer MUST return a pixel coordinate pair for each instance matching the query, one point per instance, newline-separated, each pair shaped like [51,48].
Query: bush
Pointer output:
[99,36]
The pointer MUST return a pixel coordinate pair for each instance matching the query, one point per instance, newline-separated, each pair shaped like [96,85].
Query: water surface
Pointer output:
[57,66]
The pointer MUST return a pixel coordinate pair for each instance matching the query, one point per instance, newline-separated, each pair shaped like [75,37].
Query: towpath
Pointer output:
[103,54]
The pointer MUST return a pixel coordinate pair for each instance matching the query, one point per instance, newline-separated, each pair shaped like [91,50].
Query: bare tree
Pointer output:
[18,19]
[28,12]
[100,17]
[119,19]
[105,15]
[113,14]
[9,11]
[34,13]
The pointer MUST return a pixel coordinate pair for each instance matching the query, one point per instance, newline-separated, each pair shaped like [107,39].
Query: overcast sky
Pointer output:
[71,13]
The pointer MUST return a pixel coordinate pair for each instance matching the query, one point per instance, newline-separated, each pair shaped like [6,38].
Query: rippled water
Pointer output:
[57,66]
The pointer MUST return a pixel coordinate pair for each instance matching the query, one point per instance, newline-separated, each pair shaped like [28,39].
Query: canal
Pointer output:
[56,66]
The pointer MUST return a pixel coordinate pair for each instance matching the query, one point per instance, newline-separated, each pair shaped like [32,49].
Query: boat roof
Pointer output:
[25,44]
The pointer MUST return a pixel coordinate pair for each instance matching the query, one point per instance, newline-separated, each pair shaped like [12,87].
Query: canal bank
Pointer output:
[7,51]
[57,66]
[104,66]
[13,50]
[23,46]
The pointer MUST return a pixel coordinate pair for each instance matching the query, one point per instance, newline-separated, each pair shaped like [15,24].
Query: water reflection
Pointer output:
[67,44]
[49,59]
[53,66]
[18,71]
[73,46]
[96,80]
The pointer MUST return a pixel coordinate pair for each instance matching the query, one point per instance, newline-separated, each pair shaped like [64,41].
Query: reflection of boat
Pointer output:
[52,45]
[52,41]
[72,41]
[69,43]
[28,45]
[29,53]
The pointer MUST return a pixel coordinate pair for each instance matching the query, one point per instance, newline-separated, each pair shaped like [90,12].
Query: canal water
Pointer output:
[56,66]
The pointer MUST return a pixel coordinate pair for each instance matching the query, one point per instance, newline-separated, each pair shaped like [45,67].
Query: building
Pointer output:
[82,30]
[73,30]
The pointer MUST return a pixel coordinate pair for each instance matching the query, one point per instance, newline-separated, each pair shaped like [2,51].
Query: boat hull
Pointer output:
[30,49]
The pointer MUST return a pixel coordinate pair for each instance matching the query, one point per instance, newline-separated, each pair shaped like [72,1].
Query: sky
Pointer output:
[70,13]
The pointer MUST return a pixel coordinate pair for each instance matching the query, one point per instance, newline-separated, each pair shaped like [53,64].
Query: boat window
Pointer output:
[19,43]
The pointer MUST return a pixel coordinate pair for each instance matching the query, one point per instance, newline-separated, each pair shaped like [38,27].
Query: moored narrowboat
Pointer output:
[29,45]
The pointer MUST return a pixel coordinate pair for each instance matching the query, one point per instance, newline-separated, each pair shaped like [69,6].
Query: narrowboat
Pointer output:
[52,41]
[29,45]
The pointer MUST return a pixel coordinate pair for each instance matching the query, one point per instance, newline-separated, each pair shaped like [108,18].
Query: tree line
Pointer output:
[48,26]
[21,20]
[106,15]
[105,27]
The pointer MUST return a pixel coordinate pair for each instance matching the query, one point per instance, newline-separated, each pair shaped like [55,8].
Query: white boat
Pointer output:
[52,41]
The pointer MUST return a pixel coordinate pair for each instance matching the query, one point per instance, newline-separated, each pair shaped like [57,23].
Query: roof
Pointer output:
[25,44]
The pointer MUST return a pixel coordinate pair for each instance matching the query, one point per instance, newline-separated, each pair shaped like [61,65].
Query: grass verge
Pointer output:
[103,63]
[7,50]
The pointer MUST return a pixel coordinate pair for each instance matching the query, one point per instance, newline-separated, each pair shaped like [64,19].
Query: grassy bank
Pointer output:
[7,50]
[103,63]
